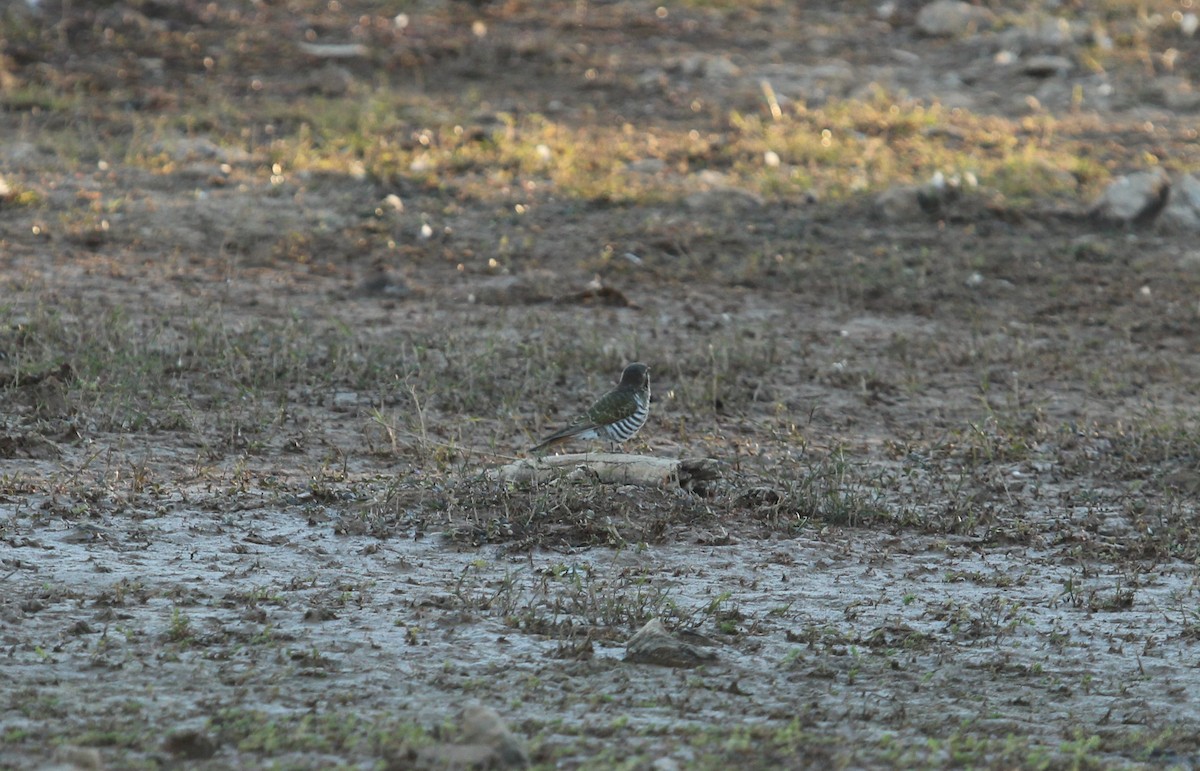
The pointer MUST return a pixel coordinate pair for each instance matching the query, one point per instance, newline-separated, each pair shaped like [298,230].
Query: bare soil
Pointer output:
[248,412]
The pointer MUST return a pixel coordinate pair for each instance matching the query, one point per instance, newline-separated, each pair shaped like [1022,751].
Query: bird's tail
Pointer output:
[558,437]
[549,442]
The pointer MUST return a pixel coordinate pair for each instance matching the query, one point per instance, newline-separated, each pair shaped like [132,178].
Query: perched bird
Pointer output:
[616,416]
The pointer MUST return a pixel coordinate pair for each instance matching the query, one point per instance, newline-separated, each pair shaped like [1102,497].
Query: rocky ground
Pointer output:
[281,284]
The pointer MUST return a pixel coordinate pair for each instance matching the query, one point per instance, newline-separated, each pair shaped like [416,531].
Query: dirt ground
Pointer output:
[270,311]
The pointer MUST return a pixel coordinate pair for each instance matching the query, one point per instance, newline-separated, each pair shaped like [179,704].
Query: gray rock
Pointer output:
[1134,199]
[953,18]
[185,149]
[1047,66]
[1190,261]
[653,644]
[713,194]
[723,200]
[77,758]
[1049,35]
[335,50]
[721,67]
[700,65]
[1183,209]
[484,741]
[830,79]
[482,725]
[1175,92]
[455,757]
[647,166]
[23,156]
[1058,32]
[836,70]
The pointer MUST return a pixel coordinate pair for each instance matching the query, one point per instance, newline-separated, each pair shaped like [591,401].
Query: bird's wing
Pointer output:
[610,408]
[614,406]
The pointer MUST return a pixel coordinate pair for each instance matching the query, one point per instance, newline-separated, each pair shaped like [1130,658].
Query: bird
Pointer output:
[615,416]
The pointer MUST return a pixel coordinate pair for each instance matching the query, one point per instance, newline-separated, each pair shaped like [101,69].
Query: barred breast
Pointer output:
[626,427]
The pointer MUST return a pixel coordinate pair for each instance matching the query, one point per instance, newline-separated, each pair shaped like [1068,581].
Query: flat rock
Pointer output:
[1047,66]
[692,474]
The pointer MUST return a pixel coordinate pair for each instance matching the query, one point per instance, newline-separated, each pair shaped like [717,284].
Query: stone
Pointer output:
[454,757]
[484,741]
[1133,199]
[1183,208]
[22,155]
[183,149]
[653,644]
[647,166]
[482,725]
[1057,32]
[701,65]
[712,194]
[1175,92]
[78,758]
[952,18]
[724,200]
[1046,66]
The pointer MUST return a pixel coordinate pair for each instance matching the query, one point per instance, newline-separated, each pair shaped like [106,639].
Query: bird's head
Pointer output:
[636,375]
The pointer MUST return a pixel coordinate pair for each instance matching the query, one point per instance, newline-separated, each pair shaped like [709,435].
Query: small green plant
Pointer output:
[180,628]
